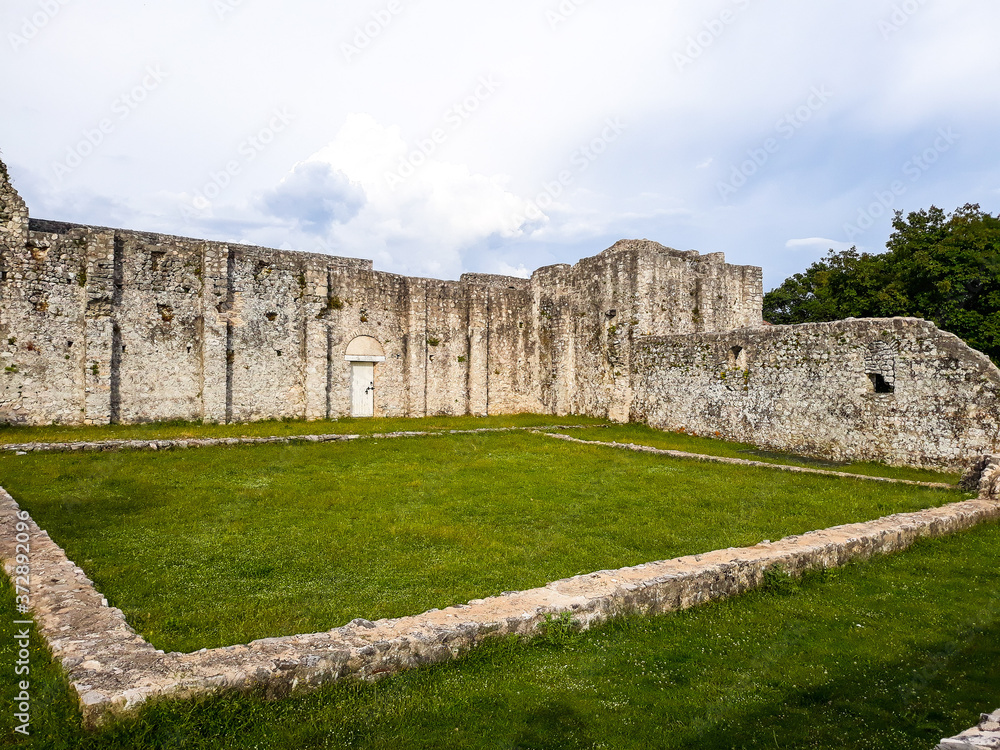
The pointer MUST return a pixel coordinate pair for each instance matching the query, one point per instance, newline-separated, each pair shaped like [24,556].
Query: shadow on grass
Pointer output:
[910,703]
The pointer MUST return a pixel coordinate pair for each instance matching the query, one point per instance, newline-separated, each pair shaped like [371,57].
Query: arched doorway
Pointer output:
[363,353]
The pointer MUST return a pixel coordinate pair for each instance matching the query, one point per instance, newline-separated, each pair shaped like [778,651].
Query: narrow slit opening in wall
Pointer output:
[115,384]
[230,359]
[880,384]
[329,373]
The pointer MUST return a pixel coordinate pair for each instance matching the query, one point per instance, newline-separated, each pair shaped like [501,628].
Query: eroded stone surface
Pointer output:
[984,736]
[180,443]
[106,325]
[113,669]
[815,389]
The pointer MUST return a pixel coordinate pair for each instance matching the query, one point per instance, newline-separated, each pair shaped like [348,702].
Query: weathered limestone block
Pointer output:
[984,736]
[895,390]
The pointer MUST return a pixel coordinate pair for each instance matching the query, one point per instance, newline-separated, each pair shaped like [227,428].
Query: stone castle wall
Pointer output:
[13,213]
[105,325]
[894,390]
[112,326]
[590,314]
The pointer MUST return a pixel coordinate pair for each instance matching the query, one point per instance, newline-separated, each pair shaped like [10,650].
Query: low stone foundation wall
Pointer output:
[113,669]
[763,464]
[90,446]
[985,736]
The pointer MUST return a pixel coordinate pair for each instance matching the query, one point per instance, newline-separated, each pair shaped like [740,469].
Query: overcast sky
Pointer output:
[438,136]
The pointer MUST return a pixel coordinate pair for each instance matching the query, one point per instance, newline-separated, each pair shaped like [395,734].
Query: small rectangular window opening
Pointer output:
[737,358]
[880,384]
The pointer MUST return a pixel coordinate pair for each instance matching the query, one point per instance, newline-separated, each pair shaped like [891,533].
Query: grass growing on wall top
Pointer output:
[891,654]
[217,546]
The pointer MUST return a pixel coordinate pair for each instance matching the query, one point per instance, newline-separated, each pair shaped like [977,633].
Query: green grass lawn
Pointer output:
[180,430]
[891,654]
[599,430]
[641,434]
[216,546]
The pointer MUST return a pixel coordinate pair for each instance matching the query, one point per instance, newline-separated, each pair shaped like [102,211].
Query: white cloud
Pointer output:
[818,242]
[505,269]
[315,195]
[419,224]
[320,183]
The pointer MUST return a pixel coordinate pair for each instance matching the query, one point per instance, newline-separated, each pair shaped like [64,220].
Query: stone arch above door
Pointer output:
[365,349]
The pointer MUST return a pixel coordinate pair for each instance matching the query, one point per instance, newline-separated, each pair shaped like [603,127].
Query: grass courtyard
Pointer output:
[222,545]
[892,654]
[214,546]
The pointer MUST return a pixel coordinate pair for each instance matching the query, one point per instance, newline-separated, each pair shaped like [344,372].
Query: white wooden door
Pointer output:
[362,389]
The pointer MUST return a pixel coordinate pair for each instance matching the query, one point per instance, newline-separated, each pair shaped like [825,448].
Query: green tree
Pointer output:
[941,267]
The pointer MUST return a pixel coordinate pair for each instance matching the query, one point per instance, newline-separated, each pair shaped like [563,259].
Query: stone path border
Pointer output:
[114,670]
[746,462]
[985,736]
[86,446]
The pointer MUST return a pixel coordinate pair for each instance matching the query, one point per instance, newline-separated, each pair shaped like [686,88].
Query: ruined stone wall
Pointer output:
[116,326]
[895,390]
[590,315]
[13,213]
[104,325]
[107,325]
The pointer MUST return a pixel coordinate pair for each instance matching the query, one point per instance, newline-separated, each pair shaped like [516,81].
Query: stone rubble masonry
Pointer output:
[114,670]
[13,213]
[810,389]
[985,736]
[988,483]
[108,446]
[102,325]
[984,475]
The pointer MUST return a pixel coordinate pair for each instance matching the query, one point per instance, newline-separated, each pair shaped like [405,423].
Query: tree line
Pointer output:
[943,267]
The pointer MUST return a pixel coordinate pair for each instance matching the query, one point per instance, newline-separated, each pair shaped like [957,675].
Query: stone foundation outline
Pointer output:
[984,736]
[114,670]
